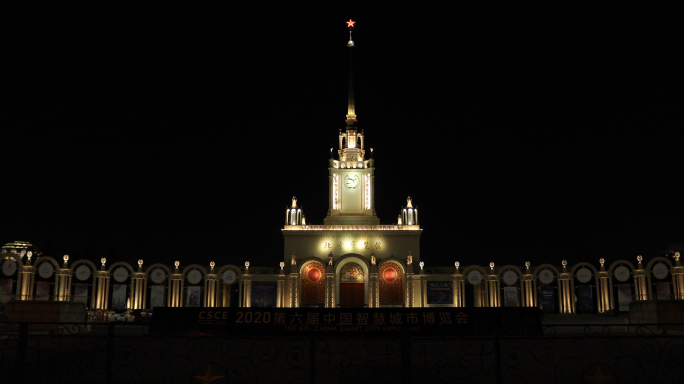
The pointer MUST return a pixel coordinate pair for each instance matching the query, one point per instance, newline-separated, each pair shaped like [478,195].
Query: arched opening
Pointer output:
[546,277]
[194,286]
[391,278]
[476,295]
[120,288]
[352,286]
[82,283]
[313,285]
[585,288]
[229,287]
[157,287]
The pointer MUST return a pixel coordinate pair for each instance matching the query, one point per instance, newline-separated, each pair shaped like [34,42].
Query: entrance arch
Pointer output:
[351,279]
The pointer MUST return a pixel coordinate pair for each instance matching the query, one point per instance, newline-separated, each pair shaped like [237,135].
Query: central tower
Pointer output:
[351,175]
[352,260]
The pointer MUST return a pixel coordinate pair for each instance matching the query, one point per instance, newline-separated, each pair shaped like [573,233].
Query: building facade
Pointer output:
[349,261]
[375,281]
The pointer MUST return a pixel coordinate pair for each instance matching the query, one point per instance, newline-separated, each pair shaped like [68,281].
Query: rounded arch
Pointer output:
[82,285]
[509,277]
[547,287]
[15,258]
[121,264]
[617,263]
[660,278]
[120,286]
[352,257]
[49,259]
[577,266]
[475,292]
[508,267]
[622,284]
[232,267]
[585,287]
[649,265]
[391,283]
[393,259]
[44,280]
[157,285]
[478,268]
[191,267]
[193,290]
[311,260]
[154,266]
[503,269]
[348,294]
[78,262]
[230,287]
[10,284]
[312,282]
[541,267]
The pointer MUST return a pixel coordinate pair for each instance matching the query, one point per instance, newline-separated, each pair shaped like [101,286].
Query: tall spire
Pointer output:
[351,109]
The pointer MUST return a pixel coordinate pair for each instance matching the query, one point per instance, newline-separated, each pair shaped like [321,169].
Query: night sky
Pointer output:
[182,132]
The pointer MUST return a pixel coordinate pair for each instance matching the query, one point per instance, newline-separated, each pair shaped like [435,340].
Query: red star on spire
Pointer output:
[351,23]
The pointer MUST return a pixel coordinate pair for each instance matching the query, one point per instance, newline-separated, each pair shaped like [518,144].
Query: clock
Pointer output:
[351,182]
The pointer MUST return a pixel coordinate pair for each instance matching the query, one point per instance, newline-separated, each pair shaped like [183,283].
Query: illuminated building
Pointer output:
[351,260]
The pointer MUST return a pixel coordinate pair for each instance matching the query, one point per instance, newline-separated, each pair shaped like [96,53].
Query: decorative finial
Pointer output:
[28,256]
[282,265]
[294,202]
[103,261]
[409,202]
[293,261]
[66,258]
[457,264]
[246,265]
[140,263]
[676,256]
[565,263]
[176,263]
[212,264]
[639,258]
[527,265]
[602,261]
[409,259]
[350,25]
[491,265]
[422,264]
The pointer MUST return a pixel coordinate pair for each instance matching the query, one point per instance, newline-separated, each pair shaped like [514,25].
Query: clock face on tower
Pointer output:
[351,182]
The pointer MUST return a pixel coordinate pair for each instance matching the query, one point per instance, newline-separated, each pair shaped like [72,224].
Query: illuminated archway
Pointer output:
[313,284]
[391,278]
[352,288]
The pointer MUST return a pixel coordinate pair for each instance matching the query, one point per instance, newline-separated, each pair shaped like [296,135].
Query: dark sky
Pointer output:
[181,133]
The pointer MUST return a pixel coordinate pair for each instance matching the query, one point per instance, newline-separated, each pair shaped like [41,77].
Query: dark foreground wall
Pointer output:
[128,353]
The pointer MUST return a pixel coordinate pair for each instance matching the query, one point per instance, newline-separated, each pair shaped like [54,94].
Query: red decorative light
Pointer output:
[390,275]
[351,23]
[314,274]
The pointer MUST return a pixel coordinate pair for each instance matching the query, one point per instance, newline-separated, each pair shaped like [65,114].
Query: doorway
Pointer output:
[351,295]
